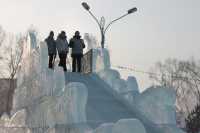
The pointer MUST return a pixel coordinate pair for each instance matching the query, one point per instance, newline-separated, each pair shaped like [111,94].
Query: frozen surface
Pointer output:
[127,88]
[158,104]
[104,128]
[128,126]
[109,76]
[121,126]
[170,129]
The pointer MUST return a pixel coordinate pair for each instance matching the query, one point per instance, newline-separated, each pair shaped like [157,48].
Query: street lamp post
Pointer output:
[104,28]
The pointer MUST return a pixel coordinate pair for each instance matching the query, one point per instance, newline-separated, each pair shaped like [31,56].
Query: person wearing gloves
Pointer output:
[62,48]
[77,44]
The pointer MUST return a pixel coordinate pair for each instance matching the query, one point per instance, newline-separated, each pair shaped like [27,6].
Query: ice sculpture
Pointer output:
[43,93]
[132,85]
[109,76]
[100,59]
[45,103]
[128,88]
[90,41]
[158,104]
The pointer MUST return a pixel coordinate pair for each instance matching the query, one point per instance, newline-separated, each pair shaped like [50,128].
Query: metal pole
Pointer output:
[101,29]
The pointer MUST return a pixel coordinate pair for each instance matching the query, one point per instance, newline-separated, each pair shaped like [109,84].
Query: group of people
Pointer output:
[61,46]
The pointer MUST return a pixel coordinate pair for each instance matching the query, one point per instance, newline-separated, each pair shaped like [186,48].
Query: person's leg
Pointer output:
[60,62]
[51,61]
[73,63]
[79,63]
[64,62]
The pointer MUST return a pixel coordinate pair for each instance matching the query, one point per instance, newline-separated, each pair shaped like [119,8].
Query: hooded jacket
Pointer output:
[77,44]
[62,45]
[51,44]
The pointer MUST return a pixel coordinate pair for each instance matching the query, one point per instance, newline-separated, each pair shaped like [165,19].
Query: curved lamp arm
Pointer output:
[95,19]
[130,11]
[108,26]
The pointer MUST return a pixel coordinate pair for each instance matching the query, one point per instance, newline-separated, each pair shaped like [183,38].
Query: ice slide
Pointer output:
[105,105]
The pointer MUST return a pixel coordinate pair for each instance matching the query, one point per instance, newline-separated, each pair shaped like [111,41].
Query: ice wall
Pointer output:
[128,88]
[157,104]
[43,94]
[100,59]
[64,109]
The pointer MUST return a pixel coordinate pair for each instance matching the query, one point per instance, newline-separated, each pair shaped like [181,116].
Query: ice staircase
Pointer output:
[105,105]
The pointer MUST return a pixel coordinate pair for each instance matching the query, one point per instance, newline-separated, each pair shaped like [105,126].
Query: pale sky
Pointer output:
[159,30]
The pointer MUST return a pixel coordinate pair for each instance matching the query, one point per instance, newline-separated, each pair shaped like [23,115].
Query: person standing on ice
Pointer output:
[63,49]
[77,44]
[51,44]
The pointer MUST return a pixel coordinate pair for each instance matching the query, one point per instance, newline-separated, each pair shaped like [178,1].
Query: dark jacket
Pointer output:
[77,44]
[62,45]
[51,44]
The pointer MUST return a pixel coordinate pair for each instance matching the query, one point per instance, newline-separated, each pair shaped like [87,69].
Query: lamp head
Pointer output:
[86,6]
[132,10]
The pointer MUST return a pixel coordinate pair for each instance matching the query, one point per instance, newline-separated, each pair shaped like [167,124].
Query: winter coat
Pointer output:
[77,45]
[62,45]
[51,44]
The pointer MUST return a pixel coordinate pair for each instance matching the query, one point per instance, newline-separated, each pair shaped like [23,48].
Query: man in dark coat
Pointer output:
[51,44]
[77,44]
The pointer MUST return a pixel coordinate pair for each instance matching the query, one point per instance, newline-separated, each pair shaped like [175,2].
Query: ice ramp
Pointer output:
[104,105]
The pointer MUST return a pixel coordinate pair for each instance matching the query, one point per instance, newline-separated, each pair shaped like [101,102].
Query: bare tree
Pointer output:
[11,56]
[2,38]
[2,35]
[184,77]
